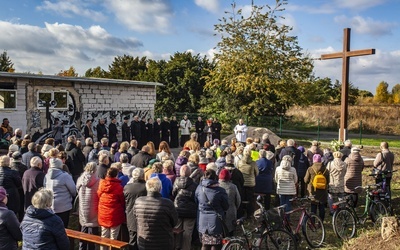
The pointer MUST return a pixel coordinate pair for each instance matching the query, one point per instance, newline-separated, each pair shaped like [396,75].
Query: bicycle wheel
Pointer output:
[377,211]
[344,224]
[278,239]
[235,244]
[314,231]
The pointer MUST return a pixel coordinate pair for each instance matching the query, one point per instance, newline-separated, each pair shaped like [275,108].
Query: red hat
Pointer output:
[225,175]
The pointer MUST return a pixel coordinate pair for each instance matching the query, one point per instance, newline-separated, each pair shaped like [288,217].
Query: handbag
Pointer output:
[225,230]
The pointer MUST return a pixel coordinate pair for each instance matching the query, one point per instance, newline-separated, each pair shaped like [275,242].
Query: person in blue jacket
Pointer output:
[212,203]
[41,228]
[264,179]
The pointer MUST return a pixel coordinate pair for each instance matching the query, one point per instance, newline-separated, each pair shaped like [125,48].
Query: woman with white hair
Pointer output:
[286,179]
[135,188]
[63,187]
[87,185]
[11,181]
[41,228]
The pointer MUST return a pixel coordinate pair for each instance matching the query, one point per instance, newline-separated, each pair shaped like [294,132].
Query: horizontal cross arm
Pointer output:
[332,56]
[362,52]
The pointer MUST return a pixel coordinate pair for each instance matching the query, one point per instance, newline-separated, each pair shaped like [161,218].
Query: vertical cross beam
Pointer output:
[345,55]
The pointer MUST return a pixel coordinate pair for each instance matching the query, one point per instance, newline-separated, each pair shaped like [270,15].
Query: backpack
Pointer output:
[319,181]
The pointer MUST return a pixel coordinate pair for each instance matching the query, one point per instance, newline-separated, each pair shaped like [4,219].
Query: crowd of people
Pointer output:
[144,194]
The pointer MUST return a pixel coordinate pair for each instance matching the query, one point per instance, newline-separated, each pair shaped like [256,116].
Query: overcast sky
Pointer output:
[50,36]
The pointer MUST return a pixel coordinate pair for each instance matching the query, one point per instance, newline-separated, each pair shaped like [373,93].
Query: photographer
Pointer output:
[58,129]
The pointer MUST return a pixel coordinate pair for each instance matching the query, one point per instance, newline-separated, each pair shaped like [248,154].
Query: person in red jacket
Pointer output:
[111,205]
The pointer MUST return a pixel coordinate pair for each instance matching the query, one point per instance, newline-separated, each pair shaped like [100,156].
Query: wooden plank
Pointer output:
[95,239]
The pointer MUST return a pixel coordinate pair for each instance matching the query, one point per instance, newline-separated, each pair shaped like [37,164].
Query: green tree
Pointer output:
[6,64]
[183,81]
[97,72]
[69,72]
[258,63]
[127,67]
[382,94]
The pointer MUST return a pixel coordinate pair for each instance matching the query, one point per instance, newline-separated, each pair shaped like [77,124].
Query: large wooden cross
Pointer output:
[345,55]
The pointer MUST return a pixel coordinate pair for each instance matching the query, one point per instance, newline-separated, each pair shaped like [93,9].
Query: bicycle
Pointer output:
[266,236]
[311,225]
[345,217]
[383,192]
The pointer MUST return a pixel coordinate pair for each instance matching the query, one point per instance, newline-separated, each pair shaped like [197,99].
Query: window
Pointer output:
[56,99]
[8,99]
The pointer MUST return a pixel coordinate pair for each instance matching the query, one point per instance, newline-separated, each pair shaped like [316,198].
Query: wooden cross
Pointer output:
[345,55]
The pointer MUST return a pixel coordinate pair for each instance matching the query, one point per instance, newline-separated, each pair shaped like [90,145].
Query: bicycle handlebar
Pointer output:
[382,172]
[367,186]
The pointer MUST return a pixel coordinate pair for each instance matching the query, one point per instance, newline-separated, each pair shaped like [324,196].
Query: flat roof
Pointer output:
[78,79]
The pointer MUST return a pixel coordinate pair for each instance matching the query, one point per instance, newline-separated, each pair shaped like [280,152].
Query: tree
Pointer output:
[382,94]
[127,67]
[396,93]
[183,81]
[6,64]
[258,63]
[69,72]
[97,72]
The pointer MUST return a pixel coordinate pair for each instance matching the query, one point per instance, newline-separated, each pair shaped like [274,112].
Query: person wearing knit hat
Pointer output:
[319,195]
[234,199]
[63,187]
[9,230]
[12,148]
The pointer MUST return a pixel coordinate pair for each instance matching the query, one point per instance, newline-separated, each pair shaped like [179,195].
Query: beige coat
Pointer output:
[337,170]
[249,169]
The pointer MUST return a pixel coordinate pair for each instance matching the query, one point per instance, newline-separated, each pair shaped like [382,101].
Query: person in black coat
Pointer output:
[165,130]
[88,130]
[157,133]
[183,191]
[101,130]
[77,157]
[20,168]
[199,125]
[156,217]
[26,157]
[112,132]
[149,130]
[11,181]
[135,129]
[104,165]
[174,128]
[134,189]
[143,131]
[217,129]
[141,159]
[126,132]
[10,233]
[32,180]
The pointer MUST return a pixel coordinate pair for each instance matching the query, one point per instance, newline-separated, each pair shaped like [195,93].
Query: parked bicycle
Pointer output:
[382,192]
[268,235]
[309,224]
[345,217]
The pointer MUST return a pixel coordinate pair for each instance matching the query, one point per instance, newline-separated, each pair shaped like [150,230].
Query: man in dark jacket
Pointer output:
[199,125]
[26,158]
[165,130]
[185,204]
[112,132]
[217,129]
[141,159]
[346,150]
[156,218]
[32,180]
[126,133]
[11,181]
[135,128]
[10,233]
[292,151]
[101,130]
[76,156]
[132,191]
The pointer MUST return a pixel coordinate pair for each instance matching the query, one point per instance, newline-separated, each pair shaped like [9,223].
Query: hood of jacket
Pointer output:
[69,146]
[209,183]
[54,173]
[183,182]
[108,185]
[181,160]
[247,159]
[127,169]
[38,213]
[88,179]
[355,156]
[337,165]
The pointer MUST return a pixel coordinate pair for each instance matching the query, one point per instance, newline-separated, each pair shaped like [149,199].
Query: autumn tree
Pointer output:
[6,64]
[97,72]
[382,94]
[258,63]
[69,72]
[396,93]
[127,67]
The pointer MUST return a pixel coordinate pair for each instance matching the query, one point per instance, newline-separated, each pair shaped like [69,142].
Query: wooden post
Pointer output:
[345,55]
